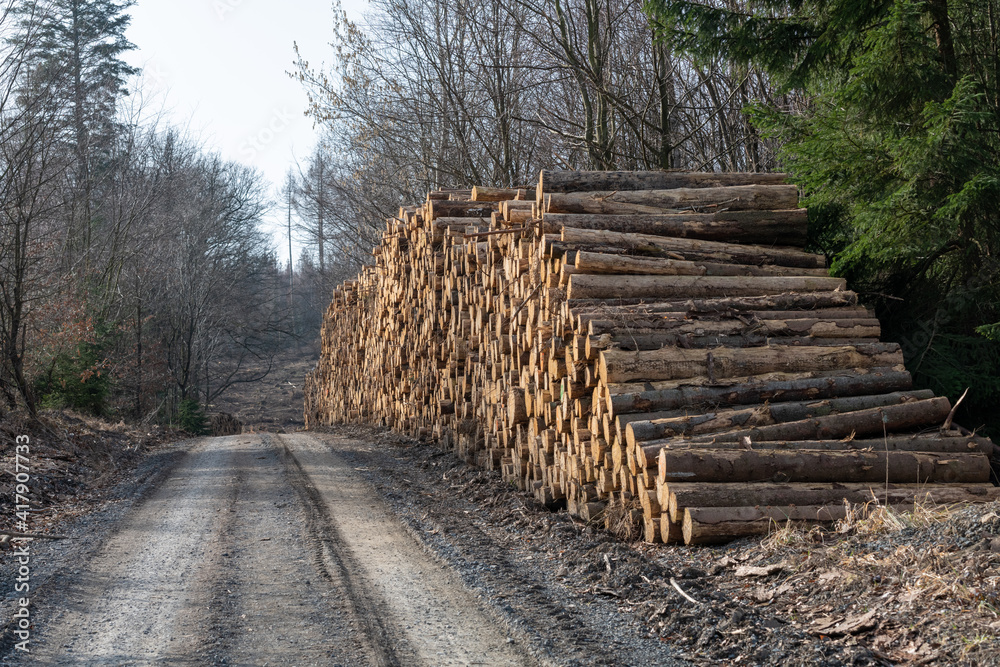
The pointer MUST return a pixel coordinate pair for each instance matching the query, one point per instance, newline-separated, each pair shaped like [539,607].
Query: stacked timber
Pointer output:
[657,340]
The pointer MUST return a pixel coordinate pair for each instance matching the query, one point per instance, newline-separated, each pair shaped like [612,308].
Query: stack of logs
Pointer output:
[643,339]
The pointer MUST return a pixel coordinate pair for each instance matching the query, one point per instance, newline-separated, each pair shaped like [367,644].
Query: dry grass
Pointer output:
[873,518]
[623,520]
[792,535]
[929,573]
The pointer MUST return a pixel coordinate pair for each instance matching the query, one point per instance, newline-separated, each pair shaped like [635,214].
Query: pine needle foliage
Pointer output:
[898,156]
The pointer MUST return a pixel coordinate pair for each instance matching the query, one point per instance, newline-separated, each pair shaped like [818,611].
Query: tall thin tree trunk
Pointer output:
[82,139]
[942,32]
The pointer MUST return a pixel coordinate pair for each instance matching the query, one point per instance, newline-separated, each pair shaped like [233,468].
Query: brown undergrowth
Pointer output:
[917,585]
[71,460]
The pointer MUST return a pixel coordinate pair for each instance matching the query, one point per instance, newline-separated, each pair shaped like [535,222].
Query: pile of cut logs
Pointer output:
[658,341]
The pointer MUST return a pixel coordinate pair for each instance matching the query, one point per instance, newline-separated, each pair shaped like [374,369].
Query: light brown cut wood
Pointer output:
[470,331]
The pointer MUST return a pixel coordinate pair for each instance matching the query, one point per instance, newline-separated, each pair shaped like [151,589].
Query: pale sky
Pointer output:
[218,67]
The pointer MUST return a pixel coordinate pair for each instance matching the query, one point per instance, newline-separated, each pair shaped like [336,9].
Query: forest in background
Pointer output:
[136,281]
[886,114]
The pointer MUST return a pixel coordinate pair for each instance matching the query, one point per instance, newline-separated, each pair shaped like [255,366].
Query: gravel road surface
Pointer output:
[262,550]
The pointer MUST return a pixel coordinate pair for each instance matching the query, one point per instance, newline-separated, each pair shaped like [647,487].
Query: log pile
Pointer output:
[655,340]
[223,424]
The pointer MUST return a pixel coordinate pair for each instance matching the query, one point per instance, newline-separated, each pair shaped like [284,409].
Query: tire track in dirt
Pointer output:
[144,597]
[270,603]
[263,550]
[422,605]
[210,568]
[336,564]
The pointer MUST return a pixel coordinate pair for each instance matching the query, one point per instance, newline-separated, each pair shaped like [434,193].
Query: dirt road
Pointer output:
[266,550]
[359,546]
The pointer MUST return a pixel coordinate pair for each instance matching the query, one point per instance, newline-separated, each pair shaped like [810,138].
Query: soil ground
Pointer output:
[274,403]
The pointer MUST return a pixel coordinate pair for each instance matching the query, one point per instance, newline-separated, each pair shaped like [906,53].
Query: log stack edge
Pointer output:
[653,342]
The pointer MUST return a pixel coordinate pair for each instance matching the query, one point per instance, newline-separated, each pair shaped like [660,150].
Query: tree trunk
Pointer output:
[871,422]
[768,414]
[938,10]
[460,209]
[787,321]
[480,193]
[746,391]
[675,363]
[595,262]
[753,333]
[761,227]
[589,181]
[733,198]
[598,286]
[692,249]
[681,495]
[893,467]
[717,525]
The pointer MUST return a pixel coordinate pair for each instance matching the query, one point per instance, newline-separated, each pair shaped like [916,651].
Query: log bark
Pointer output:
[761,227]
[822,305]
[873,422]
[939,444]
[594,262]
[694,249]
[791,323]
[583,181]
[598,286]
[732,333]
[717,525]
[690,341]
[725,306]
[674,363]
[821,466]
[676,425]
[757,389]
[460,209]
[480,193]
[681,495]
[459,223]
[651,452]
[697,200]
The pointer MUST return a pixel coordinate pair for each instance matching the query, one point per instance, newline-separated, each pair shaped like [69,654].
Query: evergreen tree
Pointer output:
[898,155]
[77,50]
